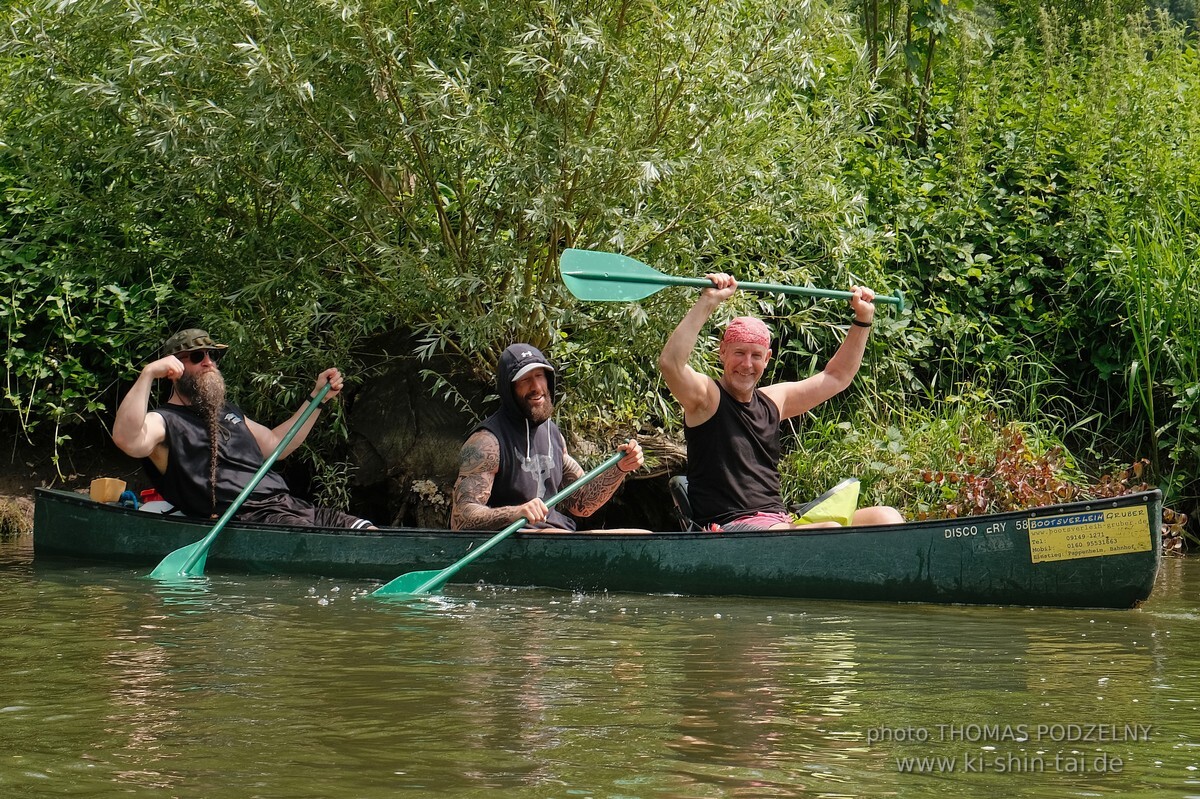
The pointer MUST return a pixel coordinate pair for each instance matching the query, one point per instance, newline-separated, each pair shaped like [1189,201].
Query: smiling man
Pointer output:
[517,457]
[200,451]
[732,426]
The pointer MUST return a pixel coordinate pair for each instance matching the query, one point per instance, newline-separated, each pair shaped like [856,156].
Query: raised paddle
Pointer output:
[423,582]
[610,277]
[189,561]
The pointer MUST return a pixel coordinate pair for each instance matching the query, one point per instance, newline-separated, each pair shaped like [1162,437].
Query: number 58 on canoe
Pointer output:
[611,277]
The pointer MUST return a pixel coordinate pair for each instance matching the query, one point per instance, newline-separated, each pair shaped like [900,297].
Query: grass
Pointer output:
[1158,278]
[13,520]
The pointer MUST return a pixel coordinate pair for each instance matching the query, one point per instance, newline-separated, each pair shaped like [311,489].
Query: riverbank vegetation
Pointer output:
[313,179]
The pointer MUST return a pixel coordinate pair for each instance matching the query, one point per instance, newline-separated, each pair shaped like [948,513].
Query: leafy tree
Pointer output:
[315,182]
[307,177]
[1044,223]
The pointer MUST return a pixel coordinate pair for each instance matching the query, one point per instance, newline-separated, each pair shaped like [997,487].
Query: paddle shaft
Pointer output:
[201,548]
[700,282]
[440,578]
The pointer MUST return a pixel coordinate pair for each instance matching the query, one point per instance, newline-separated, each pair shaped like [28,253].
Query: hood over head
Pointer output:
[516,362]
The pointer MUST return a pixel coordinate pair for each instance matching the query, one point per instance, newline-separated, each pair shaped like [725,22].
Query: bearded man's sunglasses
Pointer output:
[197,356]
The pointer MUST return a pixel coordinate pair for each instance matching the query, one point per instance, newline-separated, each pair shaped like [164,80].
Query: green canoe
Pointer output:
[1103,554]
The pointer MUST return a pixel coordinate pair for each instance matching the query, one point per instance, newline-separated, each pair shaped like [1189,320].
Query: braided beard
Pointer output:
[206,392]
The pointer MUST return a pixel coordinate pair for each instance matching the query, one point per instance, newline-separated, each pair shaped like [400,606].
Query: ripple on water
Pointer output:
[237,686]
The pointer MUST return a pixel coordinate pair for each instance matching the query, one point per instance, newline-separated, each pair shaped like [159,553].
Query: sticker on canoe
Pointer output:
[1088,535]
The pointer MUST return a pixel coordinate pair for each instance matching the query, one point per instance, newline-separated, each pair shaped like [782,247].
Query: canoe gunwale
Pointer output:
[1029,513]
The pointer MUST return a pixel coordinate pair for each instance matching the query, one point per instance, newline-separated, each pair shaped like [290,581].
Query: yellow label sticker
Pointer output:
[1088,535]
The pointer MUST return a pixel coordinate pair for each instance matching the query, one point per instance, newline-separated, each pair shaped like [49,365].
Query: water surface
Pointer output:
[243,686]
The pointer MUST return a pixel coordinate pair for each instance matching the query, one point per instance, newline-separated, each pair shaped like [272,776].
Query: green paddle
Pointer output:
[189,561]
[607,276]
[424,582]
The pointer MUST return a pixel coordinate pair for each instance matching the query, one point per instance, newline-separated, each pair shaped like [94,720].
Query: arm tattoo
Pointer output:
[588,499]
[478,463]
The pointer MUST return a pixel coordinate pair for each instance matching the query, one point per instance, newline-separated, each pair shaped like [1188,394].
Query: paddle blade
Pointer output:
[413,584]
[835,505]
[175,564]
[608,276]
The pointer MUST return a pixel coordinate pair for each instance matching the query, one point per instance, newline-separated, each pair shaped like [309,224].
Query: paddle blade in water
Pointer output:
[413,584]
[175,564]
[427,581]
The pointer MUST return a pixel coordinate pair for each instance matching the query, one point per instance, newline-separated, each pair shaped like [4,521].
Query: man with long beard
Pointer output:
[201,451]
[517,457]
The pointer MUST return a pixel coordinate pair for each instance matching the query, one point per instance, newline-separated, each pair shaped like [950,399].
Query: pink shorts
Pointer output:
[757,521]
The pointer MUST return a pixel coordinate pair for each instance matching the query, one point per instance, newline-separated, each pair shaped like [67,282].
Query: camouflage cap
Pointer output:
[191,339]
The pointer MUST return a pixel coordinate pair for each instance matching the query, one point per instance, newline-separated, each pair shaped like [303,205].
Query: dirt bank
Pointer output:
[26,466]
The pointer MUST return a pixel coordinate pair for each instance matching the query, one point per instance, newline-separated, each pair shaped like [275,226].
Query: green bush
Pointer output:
[1056,189]
[313,182]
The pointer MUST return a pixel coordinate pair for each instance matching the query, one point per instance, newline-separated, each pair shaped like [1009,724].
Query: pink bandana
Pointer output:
[747,330]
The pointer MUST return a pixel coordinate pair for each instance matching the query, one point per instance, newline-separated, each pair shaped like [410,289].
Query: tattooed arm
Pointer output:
[478,463]
[588,499]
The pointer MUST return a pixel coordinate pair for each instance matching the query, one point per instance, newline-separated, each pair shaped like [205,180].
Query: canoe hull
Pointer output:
[1095,554]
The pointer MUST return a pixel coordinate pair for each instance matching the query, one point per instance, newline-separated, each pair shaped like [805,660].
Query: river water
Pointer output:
[115,686]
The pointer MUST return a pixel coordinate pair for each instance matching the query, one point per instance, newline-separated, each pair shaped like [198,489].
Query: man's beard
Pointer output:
[206,392]
[541,414]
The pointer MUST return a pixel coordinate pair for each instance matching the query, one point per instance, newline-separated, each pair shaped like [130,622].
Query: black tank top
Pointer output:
[185,482]
[531,465]
[733,461]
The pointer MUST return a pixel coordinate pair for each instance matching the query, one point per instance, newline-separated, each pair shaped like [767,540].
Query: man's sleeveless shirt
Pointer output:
[185,482]
[531,465]
[733,461]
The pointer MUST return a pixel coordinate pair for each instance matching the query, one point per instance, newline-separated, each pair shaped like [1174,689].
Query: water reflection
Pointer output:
[184,594]
[140,703]
[257,686]
[752,696]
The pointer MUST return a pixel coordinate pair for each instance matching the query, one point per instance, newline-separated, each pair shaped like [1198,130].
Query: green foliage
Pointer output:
[961,456]
[69,328]
[1154,275]
[906,42]
[309,180]
[1184,11]
[895,457]
[1025,16]
[1011,478]
[308,177]
[142,148]
[333,481]
[1042,161]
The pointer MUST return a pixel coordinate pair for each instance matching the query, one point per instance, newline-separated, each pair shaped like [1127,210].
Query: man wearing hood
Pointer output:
[518,457]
